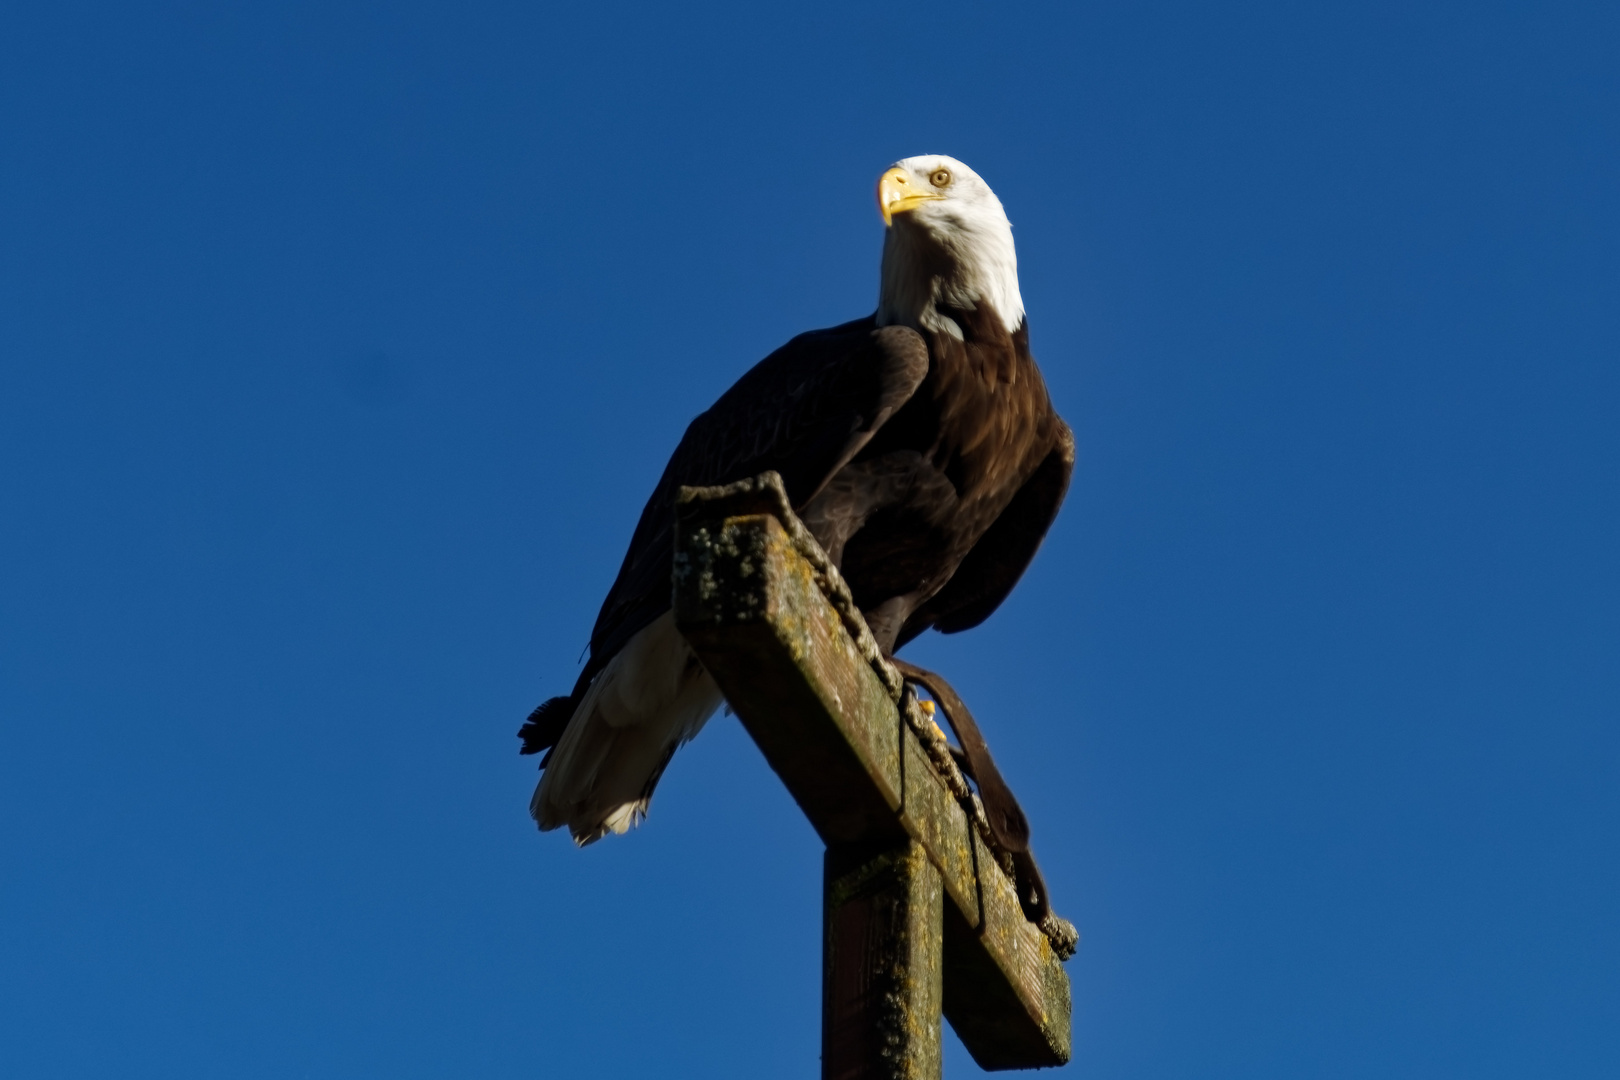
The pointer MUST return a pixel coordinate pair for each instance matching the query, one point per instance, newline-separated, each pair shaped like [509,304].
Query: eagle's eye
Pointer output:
[940,177]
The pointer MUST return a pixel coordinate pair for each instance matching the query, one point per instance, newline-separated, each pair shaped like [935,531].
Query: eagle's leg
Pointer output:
[886,620]
[1007,821]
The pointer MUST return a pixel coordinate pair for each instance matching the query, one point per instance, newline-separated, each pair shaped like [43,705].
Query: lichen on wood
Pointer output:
[775,630]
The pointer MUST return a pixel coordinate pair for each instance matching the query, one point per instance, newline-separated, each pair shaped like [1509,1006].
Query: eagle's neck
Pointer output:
[949,264]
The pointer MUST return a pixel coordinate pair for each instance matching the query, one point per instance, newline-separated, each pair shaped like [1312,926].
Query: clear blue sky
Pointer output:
[340,345]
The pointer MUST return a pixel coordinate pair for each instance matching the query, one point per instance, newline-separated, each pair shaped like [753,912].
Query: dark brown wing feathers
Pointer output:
[950,464]
[803,411]
[989,572]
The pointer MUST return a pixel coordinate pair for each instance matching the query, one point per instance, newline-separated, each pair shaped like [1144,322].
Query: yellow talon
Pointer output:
[928,710]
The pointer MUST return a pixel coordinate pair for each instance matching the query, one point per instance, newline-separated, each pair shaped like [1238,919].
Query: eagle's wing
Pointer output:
[805,411]
[1003,553]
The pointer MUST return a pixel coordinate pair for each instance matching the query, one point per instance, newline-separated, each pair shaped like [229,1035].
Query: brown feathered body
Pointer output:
[903,515]
[926,459]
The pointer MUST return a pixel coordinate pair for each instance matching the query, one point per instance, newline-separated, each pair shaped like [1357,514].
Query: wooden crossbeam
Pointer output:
[749,603]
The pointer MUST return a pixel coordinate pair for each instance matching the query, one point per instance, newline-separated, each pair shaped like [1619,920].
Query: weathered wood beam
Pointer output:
[882,936]
[749,603]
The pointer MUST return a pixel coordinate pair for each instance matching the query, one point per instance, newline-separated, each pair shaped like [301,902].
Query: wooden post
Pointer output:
[882,940]
[919,916]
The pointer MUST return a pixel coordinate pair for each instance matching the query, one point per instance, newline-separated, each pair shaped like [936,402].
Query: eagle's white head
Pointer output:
[948,243]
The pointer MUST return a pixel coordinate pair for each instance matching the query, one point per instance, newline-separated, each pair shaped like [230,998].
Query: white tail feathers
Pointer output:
[653,696]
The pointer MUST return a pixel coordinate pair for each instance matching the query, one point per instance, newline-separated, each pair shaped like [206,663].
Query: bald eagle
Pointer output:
[917,444]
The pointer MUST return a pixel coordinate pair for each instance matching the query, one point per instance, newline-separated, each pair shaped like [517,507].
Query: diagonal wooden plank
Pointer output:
[749,603]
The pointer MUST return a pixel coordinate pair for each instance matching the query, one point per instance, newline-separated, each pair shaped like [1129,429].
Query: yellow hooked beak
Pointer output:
[898,192]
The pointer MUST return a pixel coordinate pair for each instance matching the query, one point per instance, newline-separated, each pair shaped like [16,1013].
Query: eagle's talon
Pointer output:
[928,711]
